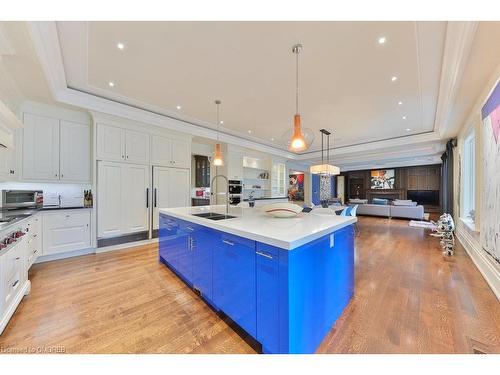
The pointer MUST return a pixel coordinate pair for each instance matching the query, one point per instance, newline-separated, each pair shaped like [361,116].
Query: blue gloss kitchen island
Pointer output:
[284,281]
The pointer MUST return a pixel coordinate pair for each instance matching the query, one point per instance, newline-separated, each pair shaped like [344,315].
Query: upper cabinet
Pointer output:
[170,152]
[74,151]
[117,144]
[235,166]
[55,150]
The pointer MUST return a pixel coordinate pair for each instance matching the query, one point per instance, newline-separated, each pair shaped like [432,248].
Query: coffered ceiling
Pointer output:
[346,82]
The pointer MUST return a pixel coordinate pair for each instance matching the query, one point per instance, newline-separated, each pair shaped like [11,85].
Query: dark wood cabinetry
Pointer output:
[202,171]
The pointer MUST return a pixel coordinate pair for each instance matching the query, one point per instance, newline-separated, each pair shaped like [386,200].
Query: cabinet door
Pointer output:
[75,152]
[66,231]
[179,191]
[203,242]
[267,285]
[40,148]
[137,147]
[234,280]
[136,198]
[109,199]
[181,154]
[235,166]
[161,151]
[170,241]
[202,171]
[14,273]
[110,143]
[161,191]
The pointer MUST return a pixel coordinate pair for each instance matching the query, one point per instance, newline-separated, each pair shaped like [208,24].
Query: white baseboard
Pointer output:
[124,246]
[487,266]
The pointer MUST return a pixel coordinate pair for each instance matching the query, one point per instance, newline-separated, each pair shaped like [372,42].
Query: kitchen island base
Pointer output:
[287,300]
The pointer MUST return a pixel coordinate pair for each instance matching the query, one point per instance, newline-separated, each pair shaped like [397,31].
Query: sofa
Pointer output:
[399,209]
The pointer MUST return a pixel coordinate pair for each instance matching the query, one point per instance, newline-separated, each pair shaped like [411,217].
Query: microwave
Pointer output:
[13,199]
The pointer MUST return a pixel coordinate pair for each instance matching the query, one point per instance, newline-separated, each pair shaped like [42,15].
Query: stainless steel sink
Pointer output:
[214,216]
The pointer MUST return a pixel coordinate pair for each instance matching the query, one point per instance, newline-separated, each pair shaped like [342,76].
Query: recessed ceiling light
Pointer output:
[404,117]
[120,46]
[249,132]
[400,103]
[381,40]
[408,129]
[178,107]
[272,139]
[394,78]
[221,121]
[111,84]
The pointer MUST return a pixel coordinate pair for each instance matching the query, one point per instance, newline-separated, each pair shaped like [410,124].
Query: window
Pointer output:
[469,176]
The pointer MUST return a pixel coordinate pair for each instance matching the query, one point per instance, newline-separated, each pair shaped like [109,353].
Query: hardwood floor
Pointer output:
[408,299]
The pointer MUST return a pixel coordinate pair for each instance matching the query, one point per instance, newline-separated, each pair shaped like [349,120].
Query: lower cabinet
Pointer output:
[66,231]
[234,280]
[203,242]
[267,297]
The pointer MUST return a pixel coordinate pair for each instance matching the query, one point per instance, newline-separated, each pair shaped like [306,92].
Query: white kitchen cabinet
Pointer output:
[14,273]
[110,143]
[136,198]
[122,198]
[33,239]
[54,150]
[66,230]
[75,152]
[171,188]
[136,147]
[170,152]
[109,198]
[40,147]
[117,144]
[278,180]
[235,166]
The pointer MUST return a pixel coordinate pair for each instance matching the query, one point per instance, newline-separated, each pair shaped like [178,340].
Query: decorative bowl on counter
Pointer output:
[282,209]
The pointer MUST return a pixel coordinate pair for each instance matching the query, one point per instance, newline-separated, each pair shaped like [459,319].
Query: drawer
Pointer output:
[66,231]
[66,218]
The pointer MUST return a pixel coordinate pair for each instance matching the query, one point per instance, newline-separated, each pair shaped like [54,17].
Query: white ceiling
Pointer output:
[345,73]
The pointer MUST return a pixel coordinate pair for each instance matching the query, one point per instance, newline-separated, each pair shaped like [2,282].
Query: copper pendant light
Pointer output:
[300,138]
[217,159]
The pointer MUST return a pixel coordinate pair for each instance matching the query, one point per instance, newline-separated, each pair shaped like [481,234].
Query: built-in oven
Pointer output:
[235,187]
[13,199]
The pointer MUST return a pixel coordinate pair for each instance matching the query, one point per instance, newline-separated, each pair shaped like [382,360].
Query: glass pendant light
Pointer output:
[218,161]
[325,169]
[298,139]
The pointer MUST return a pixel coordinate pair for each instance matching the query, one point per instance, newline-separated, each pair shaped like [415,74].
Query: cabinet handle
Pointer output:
[62,176]
[17,282]
[17,258]
[123,156]
[67,215]
[35,235]
[155,197]
[264,255]
[228,242]
[55,175]
[127,156]
[147,197]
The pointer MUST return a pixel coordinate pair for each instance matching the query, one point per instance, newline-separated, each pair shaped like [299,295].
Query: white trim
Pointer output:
[458,45]
[484,264]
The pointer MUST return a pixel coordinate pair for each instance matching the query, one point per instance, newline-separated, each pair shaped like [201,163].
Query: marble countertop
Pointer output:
[255,224]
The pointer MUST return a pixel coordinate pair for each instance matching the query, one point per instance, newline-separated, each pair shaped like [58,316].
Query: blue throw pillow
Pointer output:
[348,211]
[380,201]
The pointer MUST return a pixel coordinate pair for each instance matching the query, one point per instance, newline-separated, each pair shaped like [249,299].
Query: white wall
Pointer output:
[468,234]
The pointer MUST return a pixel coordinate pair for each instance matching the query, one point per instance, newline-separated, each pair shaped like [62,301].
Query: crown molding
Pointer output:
[458,45]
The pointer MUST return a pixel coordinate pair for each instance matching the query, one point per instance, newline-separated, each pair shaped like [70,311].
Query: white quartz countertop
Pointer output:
[255,224]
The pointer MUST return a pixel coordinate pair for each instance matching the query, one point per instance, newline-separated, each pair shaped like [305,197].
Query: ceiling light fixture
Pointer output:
[178,107]
[381,40]
[325,169]
[298,139]
[218,161]
[120,46]
[404,117]
[408,129]
[400,103]
[249,132]
[394,78]
[221,122]
[111,84]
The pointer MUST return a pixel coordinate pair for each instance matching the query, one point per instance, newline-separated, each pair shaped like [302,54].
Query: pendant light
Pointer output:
[325,169]
[218,161]
[299,139]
